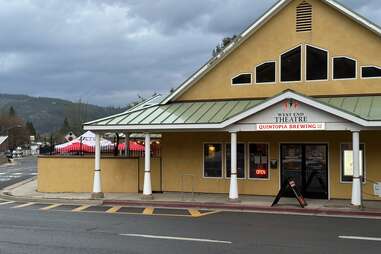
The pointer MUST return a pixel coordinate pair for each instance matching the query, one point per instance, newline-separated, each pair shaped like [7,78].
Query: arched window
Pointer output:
[344,68]
[316,63]
[290,63]
[242,79]
[265,73]
[370,72]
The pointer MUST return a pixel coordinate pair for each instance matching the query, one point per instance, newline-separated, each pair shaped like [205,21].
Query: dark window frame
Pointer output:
[275,73]
[244,160]
[348,179]
[301,65]
[204,145]
[242,84]
[333,68]
[306,63]
[369,66]
[268,178]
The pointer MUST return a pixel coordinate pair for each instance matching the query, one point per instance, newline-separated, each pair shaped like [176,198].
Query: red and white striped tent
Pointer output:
[84,143]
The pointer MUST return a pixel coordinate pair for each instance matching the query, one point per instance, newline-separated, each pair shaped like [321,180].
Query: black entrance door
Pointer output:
[307,164]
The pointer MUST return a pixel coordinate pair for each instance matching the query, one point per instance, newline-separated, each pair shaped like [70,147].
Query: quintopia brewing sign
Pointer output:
[290,118]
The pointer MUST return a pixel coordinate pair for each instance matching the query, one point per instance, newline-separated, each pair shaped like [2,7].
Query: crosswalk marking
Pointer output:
[113,209]
[50,207]
[81,208]
[24,205]
[148,211]
[194,212]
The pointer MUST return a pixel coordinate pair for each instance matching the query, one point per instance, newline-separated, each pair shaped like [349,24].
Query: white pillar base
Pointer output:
[147,190]
[233,191]
[356,192]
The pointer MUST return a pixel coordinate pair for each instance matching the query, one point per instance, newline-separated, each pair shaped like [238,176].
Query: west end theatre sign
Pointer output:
[290,115]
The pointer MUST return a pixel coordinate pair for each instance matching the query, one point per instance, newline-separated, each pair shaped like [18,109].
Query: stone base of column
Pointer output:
[147,197]
[97,195]
[234,200]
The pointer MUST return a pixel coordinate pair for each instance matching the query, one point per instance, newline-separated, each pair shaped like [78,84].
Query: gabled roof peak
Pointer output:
[276,8]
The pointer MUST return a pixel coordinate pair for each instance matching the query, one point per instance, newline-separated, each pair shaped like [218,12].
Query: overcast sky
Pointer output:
[107,52]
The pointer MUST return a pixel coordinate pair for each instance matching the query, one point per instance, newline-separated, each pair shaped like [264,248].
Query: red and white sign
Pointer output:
[290,126]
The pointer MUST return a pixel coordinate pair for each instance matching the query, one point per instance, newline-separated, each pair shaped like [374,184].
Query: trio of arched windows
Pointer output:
[316,68]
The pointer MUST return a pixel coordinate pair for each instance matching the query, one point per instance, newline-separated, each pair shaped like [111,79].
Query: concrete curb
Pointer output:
[253,208]
[7,195]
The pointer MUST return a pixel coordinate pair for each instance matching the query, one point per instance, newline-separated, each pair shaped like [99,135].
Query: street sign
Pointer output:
[70,136]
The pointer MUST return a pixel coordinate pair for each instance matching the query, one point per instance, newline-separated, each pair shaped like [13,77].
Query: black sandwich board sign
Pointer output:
[290,184]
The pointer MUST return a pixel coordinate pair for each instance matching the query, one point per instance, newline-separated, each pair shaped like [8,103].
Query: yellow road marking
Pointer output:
[81,208]
[5,203]
[148,211]
[24,205]
[209,213]
[50,207]
[113,209]
[194,212]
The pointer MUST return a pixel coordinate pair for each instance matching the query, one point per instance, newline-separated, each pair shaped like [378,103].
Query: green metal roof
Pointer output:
[215,112]
[181,113]
[366,107]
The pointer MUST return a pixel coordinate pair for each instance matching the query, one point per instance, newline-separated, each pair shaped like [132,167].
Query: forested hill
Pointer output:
[48,114]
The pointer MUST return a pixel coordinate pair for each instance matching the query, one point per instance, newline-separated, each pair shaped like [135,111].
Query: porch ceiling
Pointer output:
[212,113]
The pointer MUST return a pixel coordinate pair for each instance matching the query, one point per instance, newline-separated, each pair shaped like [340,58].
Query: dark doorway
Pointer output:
[308,165]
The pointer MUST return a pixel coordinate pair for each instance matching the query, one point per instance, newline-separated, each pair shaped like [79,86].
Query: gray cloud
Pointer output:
[109,51]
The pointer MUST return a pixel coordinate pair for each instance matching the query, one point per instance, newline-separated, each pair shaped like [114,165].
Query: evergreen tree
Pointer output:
[12,112]
[30,128]
[66,126]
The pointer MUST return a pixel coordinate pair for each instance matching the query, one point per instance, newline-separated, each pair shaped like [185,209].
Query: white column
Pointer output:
[147,188]
[233,192]
[126,143]
[356,183]
[97,189]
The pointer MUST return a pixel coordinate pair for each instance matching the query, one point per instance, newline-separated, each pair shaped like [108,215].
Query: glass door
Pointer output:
[308,165]
[292,164]
[316,171]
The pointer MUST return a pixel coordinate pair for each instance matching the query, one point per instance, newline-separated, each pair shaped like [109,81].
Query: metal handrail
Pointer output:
[182,185]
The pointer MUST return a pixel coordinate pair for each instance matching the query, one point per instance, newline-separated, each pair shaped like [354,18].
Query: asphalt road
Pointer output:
[25,228]
[20,169]
[29,230]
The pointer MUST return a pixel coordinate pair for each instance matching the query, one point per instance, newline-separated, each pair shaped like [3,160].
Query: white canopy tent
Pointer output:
[86,140]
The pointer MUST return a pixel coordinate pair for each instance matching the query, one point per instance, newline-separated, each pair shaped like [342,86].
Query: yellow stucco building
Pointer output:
[297,94]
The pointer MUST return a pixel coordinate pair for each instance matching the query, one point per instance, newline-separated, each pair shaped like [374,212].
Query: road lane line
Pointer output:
[148,211]
[50,207]
[194,212]
[113,209]
[24,205]
[177,238]
[9,202]
[360,238]
[81,208]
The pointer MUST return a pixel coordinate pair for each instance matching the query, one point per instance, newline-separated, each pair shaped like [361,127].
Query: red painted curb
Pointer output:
[241,207]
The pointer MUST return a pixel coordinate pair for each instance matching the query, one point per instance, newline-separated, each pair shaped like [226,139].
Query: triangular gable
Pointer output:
[275,9]
[309,103]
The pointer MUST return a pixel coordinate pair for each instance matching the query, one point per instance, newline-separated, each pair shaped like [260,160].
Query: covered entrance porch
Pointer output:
[205,140]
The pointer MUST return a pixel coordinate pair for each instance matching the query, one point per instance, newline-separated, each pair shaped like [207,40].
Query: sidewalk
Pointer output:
[26,191]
